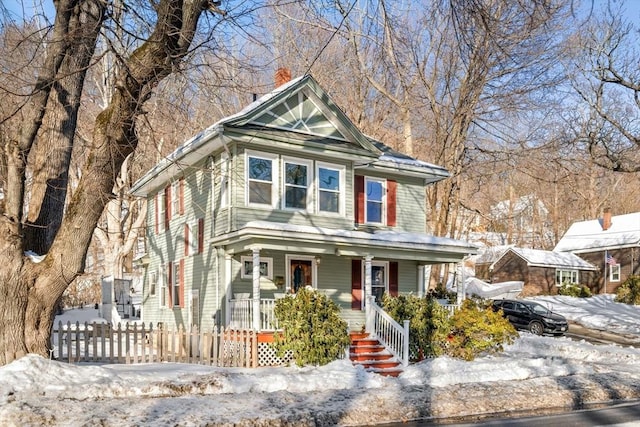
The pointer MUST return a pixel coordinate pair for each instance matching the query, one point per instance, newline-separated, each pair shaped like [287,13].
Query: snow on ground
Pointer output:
[37,391]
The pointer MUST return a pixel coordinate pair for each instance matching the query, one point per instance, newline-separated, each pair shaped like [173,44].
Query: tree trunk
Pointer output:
[30,290]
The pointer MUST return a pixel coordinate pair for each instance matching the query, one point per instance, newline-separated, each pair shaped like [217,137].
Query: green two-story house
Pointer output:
[285,194]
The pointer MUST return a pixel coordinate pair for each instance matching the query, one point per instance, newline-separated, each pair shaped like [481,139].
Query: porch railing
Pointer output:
[242,314]
[393,335]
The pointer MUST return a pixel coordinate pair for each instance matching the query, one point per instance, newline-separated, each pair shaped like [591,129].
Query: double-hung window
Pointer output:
[375,201]
[175,198]
[330,182]
[297,178]
[153,282]
[261,179]
[164,280]
[224,180]
[614,272]
[175,284]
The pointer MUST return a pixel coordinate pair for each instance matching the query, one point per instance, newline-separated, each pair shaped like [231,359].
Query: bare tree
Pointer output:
[30,287]
[607,80]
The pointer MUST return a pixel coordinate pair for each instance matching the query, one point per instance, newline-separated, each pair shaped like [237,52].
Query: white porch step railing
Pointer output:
[242,314]
[391,334]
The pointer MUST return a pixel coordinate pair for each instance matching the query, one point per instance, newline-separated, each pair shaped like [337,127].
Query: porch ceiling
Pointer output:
[315,240]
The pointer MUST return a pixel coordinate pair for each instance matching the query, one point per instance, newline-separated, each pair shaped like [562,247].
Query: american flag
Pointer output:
[611,260]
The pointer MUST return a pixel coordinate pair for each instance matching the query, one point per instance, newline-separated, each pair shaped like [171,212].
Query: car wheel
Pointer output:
[536,328]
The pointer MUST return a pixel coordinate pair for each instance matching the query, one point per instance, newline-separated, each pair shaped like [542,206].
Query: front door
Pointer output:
[301,273]
[379,280]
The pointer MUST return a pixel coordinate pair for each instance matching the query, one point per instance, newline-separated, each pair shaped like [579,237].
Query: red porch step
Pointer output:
[373,356]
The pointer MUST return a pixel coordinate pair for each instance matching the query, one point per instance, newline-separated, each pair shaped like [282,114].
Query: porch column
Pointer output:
[421,289]
[256,288]
[227,285]
[367,287]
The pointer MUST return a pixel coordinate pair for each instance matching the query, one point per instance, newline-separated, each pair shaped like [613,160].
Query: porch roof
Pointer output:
[317,240]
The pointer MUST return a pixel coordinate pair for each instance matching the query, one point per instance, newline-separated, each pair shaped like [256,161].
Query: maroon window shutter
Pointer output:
[186,240]
[170,285]
[359,205]
[157,213]
[393,278]
[181,267]
[356,284]
[201,235]
[181,196]
[167,206]
[391,203]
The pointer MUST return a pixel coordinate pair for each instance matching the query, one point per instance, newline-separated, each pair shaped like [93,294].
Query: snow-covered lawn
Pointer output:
[534,372]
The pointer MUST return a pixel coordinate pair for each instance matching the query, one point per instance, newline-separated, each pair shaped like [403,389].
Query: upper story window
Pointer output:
[159,202]
[296,184]
[375,201]
[224,180]
[330,186]
[261,177]
[175,198]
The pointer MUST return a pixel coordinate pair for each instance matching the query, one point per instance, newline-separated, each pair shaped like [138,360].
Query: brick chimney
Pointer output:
[283,75]
[606,219]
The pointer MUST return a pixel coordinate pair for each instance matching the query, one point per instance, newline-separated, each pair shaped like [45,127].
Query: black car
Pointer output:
[532,316]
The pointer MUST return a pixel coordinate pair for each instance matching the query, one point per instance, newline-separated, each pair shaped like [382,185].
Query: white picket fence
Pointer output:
[140,343]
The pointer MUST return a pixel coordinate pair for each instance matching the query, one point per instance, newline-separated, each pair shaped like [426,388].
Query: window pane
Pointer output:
[259,169]
[374,191]
[329,179]
[296,174]
[260,192]
[296,197]
[374,212]
[329,201]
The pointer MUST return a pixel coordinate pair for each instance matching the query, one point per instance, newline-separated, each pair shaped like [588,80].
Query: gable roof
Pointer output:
[551,259]
[299,107]
[588,236]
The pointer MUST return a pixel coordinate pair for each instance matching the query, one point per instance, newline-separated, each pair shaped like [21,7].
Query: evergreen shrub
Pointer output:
[428,323]
[574,290]
[477,329]
[312,328]
[474,329]
[629,291]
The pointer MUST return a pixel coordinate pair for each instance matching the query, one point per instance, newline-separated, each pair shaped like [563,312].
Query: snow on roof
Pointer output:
[584,236]
[492,253]
[170,163]
[379,236]
[540,258]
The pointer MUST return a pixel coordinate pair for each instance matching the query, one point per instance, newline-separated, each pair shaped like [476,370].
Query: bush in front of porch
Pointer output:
[311,328]
[472,330]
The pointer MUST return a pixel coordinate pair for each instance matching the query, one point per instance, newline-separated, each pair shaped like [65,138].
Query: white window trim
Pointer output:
[163,278]
[384,264]
[576,272]
[383,214]
[153,282]
[175,199]
[162,226]
[310,171]
[614,273]
[274,178]
[175,277]
[341,188]
[244,260]
[224,180]
[314,267]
